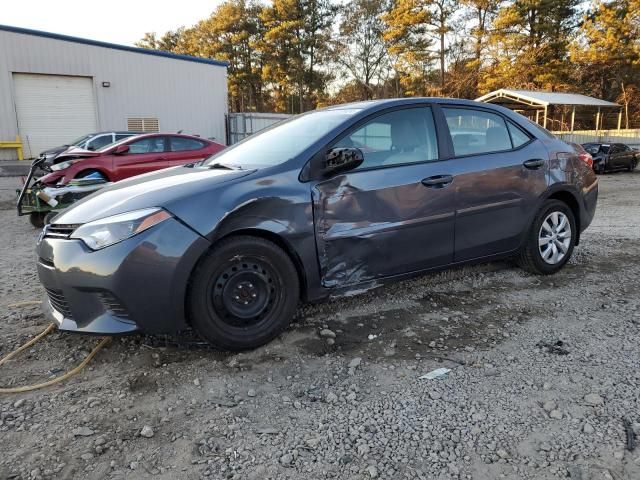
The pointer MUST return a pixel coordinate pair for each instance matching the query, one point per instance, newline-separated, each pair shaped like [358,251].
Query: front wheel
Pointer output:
[633,165]
[243,293]
[550,239]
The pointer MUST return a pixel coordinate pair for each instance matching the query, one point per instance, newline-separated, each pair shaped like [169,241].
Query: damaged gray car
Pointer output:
[327,203]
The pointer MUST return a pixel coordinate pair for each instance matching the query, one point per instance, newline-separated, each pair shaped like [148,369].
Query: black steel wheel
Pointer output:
[243,293]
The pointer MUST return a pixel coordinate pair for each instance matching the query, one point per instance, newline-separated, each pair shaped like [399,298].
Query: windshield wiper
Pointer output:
[224,166]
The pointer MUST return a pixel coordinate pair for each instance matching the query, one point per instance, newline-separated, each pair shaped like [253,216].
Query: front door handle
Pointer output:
[534,164]
[437,181]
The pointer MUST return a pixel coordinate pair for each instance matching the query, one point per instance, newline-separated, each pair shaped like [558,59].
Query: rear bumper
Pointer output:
[589,203]
[139,284]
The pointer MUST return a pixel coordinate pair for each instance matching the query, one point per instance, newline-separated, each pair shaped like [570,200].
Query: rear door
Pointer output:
[145,155]
[395,213]
[500,171]
[183,150]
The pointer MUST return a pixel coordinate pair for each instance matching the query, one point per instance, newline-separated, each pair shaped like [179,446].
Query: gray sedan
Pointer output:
[328,203]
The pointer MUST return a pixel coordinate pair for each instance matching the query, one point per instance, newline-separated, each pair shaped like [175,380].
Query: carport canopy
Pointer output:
[531,101]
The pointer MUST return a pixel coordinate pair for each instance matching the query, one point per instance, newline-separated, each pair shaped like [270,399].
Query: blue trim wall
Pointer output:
[113,46]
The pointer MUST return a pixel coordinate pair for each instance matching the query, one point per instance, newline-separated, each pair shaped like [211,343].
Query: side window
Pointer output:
[475,132]
[615,149]
[518,137]
[122,136]
[401,136]
[99,142]
[147,145]
[181,144]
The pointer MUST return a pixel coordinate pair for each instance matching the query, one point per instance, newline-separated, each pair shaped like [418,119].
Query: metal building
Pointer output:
[55,88]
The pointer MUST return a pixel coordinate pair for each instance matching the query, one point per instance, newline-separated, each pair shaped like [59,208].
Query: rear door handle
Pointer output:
[534,163]
[437,181]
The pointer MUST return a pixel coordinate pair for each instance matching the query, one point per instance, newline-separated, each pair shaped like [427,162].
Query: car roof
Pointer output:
[117,132]
[155,134]
[392,102]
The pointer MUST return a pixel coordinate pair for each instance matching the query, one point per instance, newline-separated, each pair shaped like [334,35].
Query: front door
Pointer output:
[500,173]
[144,155]
[392,215]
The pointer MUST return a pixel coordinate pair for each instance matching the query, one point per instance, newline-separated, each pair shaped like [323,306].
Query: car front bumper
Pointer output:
[138,284]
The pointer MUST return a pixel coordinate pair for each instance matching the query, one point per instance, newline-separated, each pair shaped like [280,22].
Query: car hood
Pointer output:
[77,152]
[54,151]
[157,189]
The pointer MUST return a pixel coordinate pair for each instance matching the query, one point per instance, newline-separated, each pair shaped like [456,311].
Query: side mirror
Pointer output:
[91,147]
[121,150]
[342,160]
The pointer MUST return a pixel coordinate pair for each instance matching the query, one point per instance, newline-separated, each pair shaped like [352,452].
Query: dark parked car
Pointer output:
[610,157]
[91,141]
[129,157]
[328,203]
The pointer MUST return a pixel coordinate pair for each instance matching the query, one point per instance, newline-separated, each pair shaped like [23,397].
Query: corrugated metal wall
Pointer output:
[183,95]
[241,125]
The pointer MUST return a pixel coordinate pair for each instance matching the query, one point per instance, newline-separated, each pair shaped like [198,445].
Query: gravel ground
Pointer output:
[339,395]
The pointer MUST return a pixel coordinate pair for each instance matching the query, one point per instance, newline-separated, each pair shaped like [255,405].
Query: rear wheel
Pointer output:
[243,293]
[550,239]
[633,165]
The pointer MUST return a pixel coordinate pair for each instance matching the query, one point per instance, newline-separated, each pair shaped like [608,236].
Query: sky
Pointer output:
[116,21]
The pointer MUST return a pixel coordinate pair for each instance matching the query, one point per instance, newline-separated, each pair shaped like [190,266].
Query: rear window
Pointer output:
[475,132]
[181,144]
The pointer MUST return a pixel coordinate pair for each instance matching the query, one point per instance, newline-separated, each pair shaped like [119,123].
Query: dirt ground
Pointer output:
[517,403]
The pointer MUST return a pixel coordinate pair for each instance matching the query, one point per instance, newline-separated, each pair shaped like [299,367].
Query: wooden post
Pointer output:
[573,118]
[538,117]
[620,119]
[544,122]
[598,120]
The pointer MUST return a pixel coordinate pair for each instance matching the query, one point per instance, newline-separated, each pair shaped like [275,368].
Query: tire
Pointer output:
[633,165]
[243,293]
[37,219]
[531,256]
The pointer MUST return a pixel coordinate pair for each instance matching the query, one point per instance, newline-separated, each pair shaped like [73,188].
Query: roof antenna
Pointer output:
[179,131]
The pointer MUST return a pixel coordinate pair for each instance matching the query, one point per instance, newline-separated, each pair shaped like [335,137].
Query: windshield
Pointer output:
[113,144]
[82,139]
[283,141]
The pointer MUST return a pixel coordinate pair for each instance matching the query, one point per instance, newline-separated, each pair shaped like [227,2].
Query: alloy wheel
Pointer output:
[554,238]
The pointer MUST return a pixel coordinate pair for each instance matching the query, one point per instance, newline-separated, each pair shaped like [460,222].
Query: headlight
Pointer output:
[63,165]
[107,231]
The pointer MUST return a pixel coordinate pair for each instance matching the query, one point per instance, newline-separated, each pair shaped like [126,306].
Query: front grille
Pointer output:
[58,302]
[113,305]
[59,230]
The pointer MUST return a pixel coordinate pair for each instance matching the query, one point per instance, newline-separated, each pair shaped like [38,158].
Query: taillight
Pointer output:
[587,158]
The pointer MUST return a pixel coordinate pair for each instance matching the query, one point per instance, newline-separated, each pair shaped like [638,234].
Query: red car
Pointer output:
[129,157]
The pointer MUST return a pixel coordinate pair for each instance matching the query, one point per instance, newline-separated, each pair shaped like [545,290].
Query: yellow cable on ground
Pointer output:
[49,329]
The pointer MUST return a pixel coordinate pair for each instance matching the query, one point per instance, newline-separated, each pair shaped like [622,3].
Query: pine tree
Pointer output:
[607,55]
[528,46]
[359,48]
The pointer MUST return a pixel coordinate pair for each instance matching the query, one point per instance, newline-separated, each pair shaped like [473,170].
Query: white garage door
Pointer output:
[53,110]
